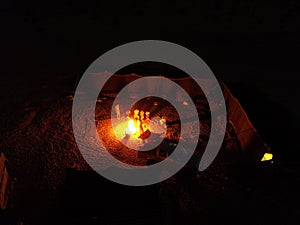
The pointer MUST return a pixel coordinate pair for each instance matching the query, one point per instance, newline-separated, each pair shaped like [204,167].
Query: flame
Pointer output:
[133,127]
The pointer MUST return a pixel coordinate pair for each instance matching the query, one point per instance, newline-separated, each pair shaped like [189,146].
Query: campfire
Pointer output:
[136,127]
[139,124]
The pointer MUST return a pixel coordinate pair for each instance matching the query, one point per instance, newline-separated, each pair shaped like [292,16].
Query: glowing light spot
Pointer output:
[267,156]
[131,129]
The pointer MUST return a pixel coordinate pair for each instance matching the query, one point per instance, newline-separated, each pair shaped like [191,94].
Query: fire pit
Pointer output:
[142,129]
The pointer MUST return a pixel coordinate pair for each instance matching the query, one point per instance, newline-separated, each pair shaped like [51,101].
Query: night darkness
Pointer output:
[251,46]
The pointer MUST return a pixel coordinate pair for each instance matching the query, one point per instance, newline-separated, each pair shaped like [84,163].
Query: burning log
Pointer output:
[145,134]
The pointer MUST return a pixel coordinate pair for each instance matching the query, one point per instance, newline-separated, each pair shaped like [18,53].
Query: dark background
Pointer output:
[252,45]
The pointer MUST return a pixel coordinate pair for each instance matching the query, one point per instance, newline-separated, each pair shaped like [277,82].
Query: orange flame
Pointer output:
[133,127]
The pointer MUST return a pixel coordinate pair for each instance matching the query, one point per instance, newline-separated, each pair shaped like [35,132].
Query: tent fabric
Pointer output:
[251,143]
[6,183]
[117,82]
